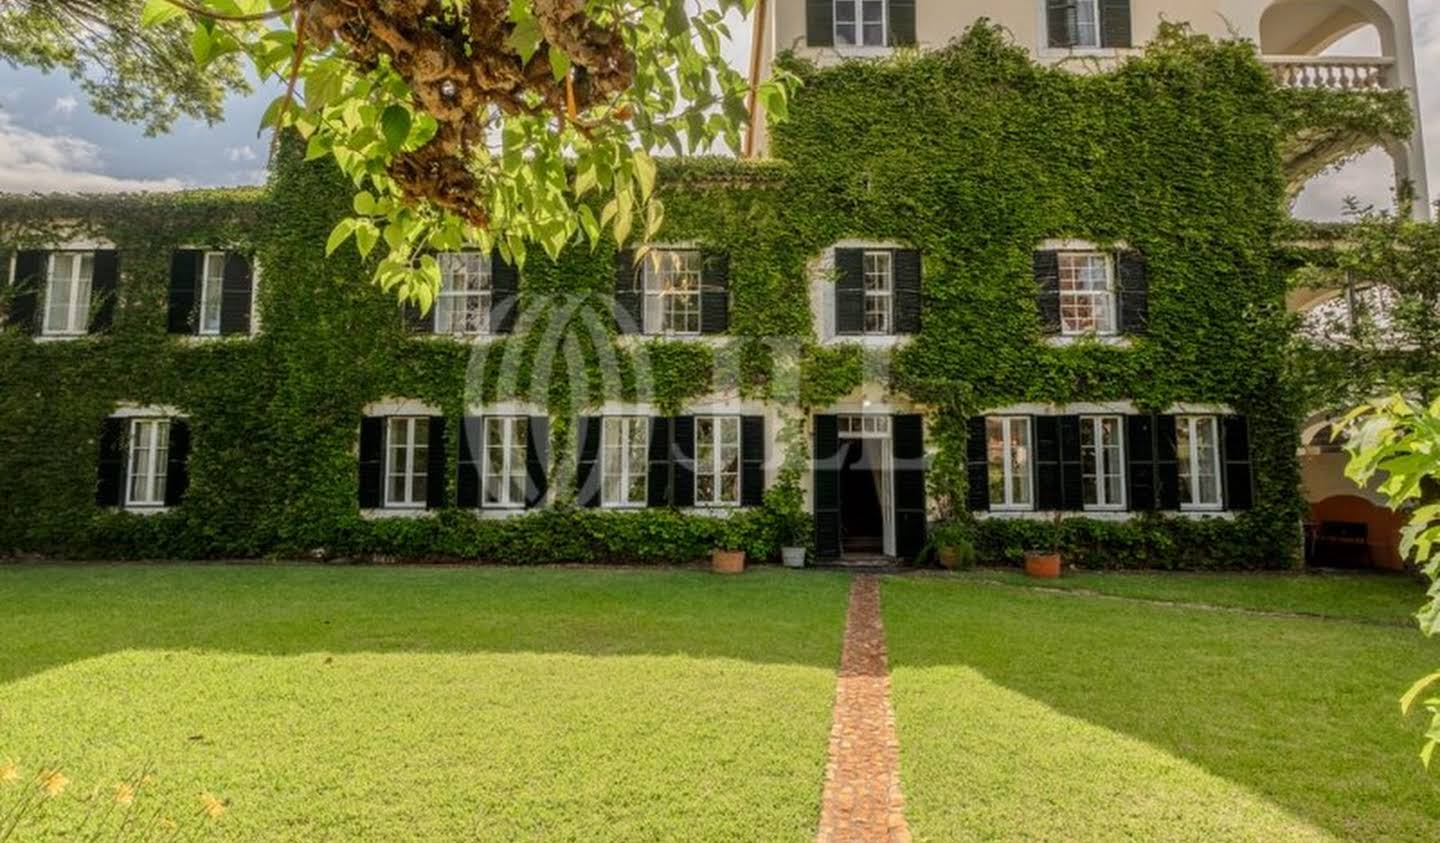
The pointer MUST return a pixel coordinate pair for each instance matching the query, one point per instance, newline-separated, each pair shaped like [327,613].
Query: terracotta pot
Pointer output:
[949,556]
[1045,566]
[728,561]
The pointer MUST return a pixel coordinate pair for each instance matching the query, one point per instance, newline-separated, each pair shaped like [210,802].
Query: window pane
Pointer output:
[1087,297]
[212,295]
[463,306]
[81,311]
[672,291]
[1087,30]
[1090,469]
[58,292]
[995,449]
[1020,461]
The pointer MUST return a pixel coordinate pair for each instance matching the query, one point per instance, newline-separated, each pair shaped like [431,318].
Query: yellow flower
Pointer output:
[9,773]
[124,793]
[53,782]
[212,807]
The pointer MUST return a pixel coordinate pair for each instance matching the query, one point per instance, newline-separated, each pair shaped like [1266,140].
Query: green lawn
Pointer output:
[430,704]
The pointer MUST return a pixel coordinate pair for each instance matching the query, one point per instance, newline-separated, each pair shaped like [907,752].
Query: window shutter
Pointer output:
[715,293]
[977,465]
[752,460]
[185,272]
[103,289]
[850,291]
[684,455]
[1062,19]
[827,487]
[1115,23]
[1048,489]
[587,475]
[435,475]
[31,268]
[110,477]
[820,23]
[1167,467]
[1133,292]
[372,462]
[629,317]
[537,461]
[236,296]
[504,295]
[1047,278]
[416,321]
[907,291]
[902,23]
[1239,476]
[908,447]
[1072,470]
[467,476]
[1140,462]
[177,465]
[658,487]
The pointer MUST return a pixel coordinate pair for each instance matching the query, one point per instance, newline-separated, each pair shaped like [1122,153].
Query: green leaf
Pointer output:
[157,12]
[364,203]
[395,125]
[1408,701]
[366,235]
[644,173]
[200,44]
[339,235]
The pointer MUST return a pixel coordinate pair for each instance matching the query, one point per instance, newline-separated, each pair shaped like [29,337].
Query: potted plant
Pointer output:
[953,546]
[792,547]
[1046,564]
[728,557]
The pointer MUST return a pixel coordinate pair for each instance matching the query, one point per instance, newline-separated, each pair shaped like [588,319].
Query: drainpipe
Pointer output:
[756,45]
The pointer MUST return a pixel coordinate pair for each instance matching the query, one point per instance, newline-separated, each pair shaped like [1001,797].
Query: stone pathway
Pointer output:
[862,801]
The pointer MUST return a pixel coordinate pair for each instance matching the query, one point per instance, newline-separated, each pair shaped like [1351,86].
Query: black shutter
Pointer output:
[435,464]
[1133,292]
[683,439]
[850,291]
[910,518]
[467,476]
[103,283]
[629,318]
[31,269]
[1047,279]
[372,462]
[110,477]
[715,293]
[1239,477]
[1047,463]
[752,460]
[1140,459]
[907,291]
[826,490]
[977,465]
[587,475]
[820,23]
[902,23]
[237,294]
[186,270]
[657,491]
[1167,467]
[177,465]
[1062,19]
[1115,23]
[1072,470]
[504,295]
[537,461]
[417,321]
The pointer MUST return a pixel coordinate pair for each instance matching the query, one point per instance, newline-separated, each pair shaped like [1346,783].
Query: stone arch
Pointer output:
[1309,27]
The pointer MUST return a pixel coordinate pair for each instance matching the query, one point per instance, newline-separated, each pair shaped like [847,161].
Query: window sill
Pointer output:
[1048,52]
[714,511]
[461,339]
[61,337]
[205,339]
[145,511]
[1107,340]
[633,341]
[1101,515]
[499,513]
[396,512]
[876,341]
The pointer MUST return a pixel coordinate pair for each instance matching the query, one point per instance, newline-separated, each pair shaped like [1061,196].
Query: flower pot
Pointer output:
[949,556]
[793,557]
[728,561]
[1045,566]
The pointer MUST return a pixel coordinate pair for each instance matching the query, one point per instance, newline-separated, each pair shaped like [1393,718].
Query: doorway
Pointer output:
[866,490]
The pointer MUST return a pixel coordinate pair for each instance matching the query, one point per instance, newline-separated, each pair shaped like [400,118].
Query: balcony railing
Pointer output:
[1339,73]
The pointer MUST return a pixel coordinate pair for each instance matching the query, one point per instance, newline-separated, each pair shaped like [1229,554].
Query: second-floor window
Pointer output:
[67,293]
[407,442]
[1087,24]
[1197,447]
[624,460]
[1087,294]
[506,439]
[672,291]
[717,461]
[212,293]
[879,292]
[1008,445]
[861,23]
[463,306]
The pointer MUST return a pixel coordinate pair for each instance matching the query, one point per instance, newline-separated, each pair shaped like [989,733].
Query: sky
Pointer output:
[51,141]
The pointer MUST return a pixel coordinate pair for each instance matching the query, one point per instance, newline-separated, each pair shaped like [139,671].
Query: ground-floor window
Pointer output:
[625,446]
[1197,447]
[506,439]
[1102,462]
[717,461]
[407,456]
[148,455]
[1008,444]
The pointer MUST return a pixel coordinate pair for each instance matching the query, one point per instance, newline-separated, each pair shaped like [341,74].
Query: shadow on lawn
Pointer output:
[57,614]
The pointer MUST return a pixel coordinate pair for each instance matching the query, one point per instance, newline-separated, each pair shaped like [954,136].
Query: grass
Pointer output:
[1036,715]
[427,704]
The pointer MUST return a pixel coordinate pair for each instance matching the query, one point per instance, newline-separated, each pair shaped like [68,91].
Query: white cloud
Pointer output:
[31,162]
[236,154]
[66,106]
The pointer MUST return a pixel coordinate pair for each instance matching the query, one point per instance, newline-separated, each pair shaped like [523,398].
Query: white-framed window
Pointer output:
[864,427]
[506,439]
[1011,469]
[624,460]
[407,456]
[1102,461]
[672,291]
[212,291]
[1087,293]
[1087,24]
[1197,447]
[879,275]
[67,294]
[861,23]
[717,461]
[148,456]
[466,287]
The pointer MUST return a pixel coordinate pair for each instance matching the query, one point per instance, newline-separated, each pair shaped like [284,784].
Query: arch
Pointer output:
[1310,27]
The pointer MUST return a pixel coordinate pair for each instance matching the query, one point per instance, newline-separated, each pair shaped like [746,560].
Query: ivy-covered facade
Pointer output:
[968,289]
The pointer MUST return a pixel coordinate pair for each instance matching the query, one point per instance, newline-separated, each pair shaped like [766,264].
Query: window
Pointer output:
[1087,293]
[625,445]
[212,285]
[407,441]
[67,293]
[1197,446]
[1087,24]
[1075,24]
[672,291]
[149,453]
[1008,441]
[463,306]
[1102,462]
[504,460]
[879,269]
[717,461]
[861,23]
[864,427]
